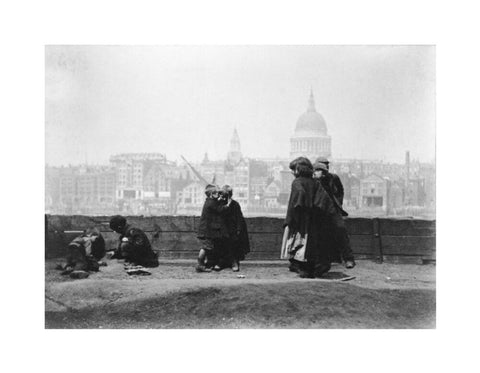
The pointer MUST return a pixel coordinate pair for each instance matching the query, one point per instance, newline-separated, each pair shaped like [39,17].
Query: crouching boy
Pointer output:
[212,230]
[133,245]
[83,254]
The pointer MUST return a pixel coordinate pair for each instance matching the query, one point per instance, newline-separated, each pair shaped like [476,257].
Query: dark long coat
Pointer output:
[237,231]
[300,211]
[325,210]
[300,203]
[334,187]
[212,222]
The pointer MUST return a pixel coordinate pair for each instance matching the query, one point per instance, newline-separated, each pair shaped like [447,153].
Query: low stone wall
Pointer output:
[174,237]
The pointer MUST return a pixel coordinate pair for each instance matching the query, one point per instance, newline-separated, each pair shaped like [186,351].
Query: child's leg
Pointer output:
[201,257]
[212,259]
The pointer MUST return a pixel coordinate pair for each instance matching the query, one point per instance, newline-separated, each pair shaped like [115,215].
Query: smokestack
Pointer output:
[407,165]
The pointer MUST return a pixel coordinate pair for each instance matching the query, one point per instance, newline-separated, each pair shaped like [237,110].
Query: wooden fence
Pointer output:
[174,237]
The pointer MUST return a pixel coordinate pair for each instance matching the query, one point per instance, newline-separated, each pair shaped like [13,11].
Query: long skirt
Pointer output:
[293,245]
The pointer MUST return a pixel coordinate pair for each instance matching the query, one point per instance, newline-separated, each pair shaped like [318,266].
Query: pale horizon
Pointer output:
[378,101]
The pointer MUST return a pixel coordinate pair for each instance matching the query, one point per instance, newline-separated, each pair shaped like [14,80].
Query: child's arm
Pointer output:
[220,208]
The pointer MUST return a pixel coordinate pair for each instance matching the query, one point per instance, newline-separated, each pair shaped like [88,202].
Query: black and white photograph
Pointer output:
[240,187]
[255,186]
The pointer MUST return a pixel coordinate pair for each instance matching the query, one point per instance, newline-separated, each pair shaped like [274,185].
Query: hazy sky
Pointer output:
[377,101]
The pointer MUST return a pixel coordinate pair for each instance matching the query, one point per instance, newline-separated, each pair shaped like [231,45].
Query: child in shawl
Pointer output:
[212,229]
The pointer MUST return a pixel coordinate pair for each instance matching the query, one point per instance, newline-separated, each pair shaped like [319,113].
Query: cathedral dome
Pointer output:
[310,138]
[311,122]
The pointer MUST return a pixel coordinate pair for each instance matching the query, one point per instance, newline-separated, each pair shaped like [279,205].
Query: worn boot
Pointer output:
[321,269]
[350,264]
[201,268]
[293,267]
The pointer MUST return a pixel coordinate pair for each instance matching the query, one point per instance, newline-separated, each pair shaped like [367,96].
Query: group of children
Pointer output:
[222,233]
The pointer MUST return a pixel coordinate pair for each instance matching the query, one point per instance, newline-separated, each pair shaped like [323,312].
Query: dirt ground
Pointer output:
[269,296]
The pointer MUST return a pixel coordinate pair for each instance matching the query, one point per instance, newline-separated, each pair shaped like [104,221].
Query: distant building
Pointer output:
[257,190]
[259,176]
[238,177]
[237,171]
[310,138]
[351,187]
[286,179]
[190,199]
[427,172]
[395,197]
[211,170]
[52,188]
[79,189]
[373,192]
[272,194]
[131,172]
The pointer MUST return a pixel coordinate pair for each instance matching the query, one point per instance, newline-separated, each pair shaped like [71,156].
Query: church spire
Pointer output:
[235,141]
[311,101]
[234,154]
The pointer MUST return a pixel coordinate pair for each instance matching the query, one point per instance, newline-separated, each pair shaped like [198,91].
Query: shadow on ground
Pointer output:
[222,301]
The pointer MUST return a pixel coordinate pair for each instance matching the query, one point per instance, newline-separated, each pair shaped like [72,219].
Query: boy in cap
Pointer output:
[330,181]
[212,230]
[134,245]
[333,186]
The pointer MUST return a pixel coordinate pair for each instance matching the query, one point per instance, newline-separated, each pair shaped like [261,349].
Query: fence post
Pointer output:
[377,239]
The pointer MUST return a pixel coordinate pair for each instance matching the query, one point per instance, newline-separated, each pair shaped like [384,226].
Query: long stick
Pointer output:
[197,174]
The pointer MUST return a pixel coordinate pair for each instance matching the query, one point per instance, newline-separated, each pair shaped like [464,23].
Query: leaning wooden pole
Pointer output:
[197,174]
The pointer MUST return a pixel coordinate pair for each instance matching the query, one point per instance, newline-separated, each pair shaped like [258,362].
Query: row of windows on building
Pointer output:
[310,145]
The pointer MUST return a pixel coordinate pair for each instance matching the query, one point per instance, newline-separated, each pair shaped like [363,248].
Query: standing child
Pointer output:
[238,244]
[212,230]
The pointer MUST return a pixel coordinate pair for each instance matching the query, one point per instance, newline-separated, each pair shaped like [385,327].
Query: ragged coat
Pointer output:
[300,204]
[212,221]
[237,230]
[134,246]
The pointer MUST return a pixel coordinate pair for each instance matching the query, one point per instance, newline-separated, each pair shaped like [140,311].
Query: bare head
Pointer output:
[301,166]
[118,223]
[227,190]
[211,191]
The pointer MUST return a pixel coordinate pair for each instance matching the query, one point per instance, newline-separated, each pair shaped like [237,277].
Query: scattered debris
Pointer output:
[136,270]
[79,274]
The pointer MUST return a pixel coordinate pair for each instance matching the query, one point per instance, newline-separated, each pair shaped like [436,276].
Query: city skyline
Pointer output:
[198,160]
[187,101]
